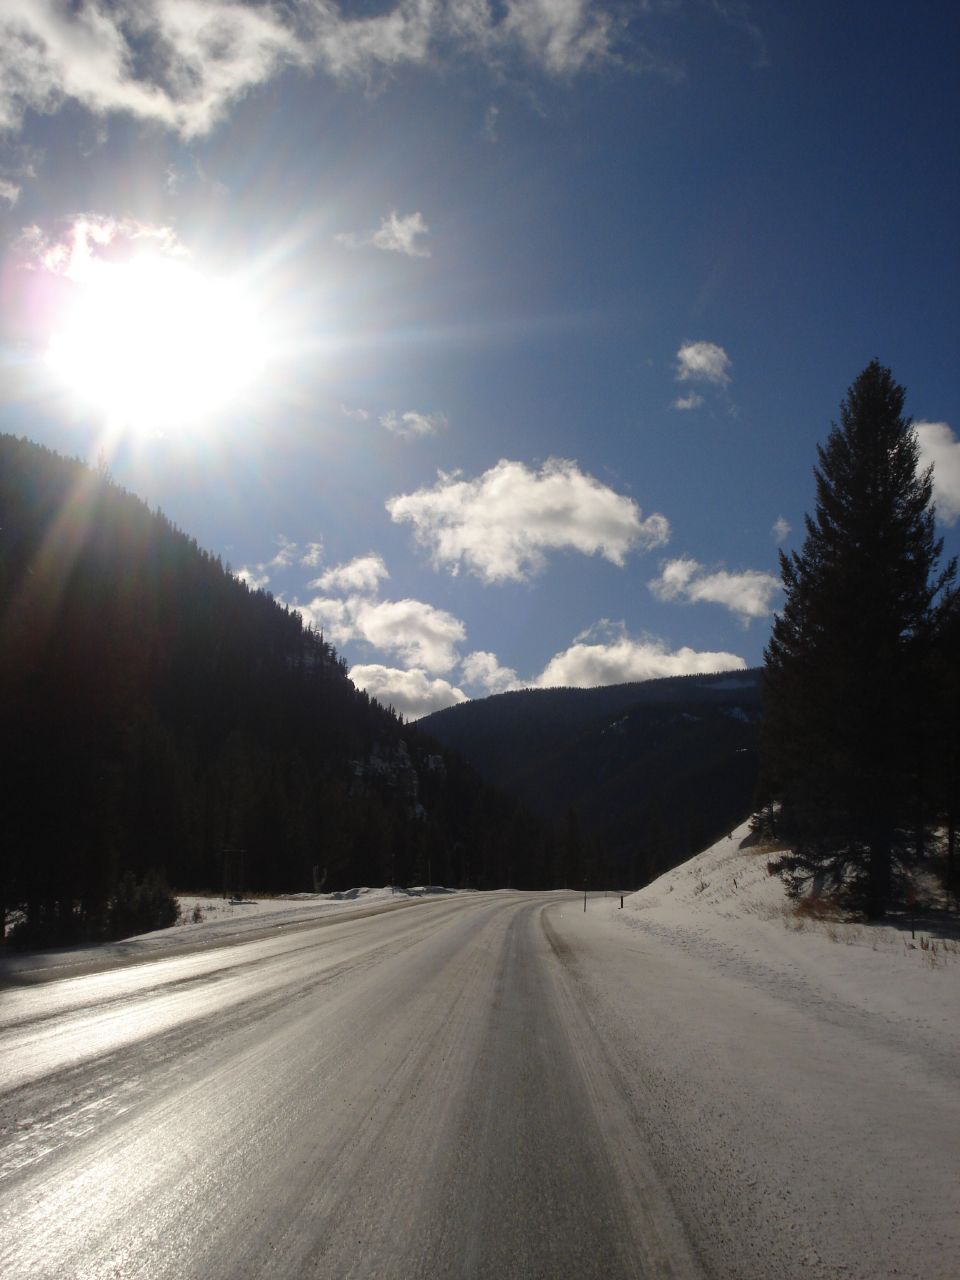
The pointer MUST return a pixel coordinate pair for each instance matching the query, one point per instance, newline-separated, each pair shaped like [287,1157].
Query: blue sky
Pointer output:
[498,337]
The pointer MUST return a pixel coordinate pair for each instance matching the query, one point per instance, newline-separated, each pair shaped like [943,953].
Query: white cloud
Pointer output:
[255,578]
[490,118]
[356,415]
[331,616]
[362,574]
[182,63]
[619,660]
[747,594]
[501,525]
[9,191]
[781,529]
[395,234]
[312,556]
[80,244]
[562,35]
[940,448]
[702,362]
[413,693]
[417,632]
[483,668]
[410,424]
[693,401]
[286,553]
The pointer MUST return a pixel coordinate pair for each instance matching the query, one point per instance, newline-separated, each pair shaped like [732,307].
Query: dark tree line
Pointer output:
[155,711]
[860,732]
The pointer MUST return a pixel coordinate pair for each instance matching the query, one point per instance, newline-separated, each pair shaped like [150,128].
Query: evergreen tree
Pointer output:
[847,681]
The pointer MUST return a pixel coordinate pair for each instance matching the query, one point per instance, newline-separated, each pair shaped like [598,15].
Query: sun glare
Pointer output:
[152,343]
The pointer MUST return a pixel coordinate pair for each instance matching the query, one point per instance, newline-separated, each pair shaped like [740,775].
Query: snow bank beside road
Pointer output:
[723,906]
[206,920]
[796,1079]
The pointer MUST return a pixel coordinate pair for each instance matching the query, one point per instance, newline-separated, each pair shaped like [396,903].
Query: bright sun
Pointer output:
[151,343]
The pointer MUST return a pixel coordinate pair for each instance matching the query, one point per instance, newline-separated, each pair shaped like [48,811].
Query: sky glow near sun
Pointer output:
[151,343]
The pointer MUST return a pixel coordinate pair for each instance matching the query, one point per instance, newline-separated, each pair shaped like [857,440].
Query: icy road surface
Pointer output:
[495,1085]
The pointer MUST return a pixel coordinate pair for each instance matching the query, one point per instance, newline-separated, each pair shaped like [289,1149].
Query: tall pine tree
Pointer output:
[847,683]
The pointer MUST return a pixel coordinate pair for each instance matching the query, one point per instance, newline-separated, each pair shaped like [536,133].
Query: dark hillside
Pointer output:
[653,771]
[154,711]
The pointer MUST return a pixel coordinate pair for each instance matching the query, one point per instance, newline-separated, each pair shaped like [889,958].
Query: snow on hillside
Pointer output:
[724,905]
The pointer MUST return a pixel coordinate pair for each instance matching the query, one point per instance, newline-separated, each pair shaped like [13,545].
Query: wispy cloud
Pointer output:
[413,693]
[693,401]
[312,555]
[9,191]
[781,530]
[748,594]
[703,362]
[501,525]
[361,575]
[940,448]
[354,414]
[182,63]
[410,425]
[396,234]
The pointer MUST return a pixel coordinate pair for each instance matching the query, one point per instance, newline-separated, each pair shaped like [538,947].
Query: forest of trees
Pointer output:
[155,712]
[859,755]
[652,771]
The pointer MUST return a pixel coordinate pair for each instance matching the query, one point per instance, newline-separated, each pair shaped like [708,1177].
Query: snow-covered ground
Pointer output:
[802,1083]
[206,919]
[723,905]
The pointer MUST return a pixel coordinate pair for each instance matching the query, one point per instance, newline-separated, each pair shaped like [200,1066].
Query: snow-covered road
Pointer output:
[486,1085]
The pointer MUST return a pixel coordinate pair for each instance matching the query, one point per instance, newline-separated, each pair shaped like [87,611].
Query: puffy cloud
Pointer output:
[746,594]
[183,62]
[702,362]
[781,529]
[420,634]
[501,525]
[362,574]
[413,693]
[940,448]
[484,669]
[410,424]
[589,663]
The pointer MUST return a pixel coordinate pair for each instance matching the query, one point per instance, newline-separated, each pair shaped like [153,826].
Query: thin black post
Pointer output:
[621,902]
[584,897]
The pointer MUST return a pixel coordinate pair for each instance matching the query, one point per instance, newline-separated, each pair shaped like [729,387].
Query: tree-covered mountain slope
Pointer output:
[650,771]
[155,712]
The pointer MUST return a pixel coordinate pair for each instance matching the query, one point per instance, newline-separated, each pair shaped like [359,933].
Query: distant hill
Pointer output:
[155,712]
[651,772]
